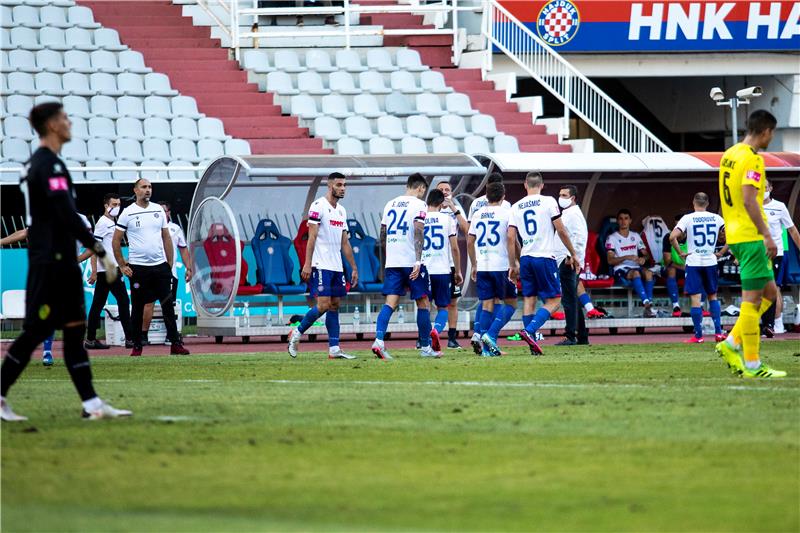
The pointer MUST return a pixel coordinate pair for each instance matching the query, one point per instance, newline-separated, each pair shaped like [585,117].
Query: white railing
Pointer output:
[576,91]
[447,24]
[162,172]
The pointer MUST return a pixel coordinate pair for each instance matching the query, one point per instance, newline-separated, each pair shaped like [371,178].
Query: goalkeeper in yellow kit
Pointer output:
[741,187]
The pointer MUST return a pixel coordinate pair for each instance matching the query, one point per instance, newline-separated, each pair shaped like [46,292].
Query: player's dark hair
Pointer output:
[415,180]
[435,198]
[495,192]
[573,191]
[166,205]
[41,114]
[533,179]
[336,176]
[624,211]
[761,120]
[136,183]
[110,196]
[494,177]
[701,199]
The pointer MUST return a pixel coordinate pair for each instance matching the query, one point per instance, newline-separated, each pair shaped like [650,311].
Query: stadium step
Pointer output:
[198,67]
[545,148]
[513,127]
[394,20]
[536,139]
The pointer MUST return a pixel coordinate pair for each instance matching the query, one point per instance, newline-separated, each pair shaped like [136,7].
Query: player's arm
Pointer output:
[93,275]
[169,250]
[674,235]
[564,236]
[17,236]
[613,259]
[347,250]
[382,238]
[749,193]
[456,251]
[513,256]
[473,256]
[187,262]
[116,245]
[85,255]
[313,232]
[419,240]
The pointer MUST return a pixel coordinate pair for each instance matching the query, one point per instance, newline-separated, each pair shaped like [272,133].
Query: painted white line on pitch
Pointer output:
[176,418]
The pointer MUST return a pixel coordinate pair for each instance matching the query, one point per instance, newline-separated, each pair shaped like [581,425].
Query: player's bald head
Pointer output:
[701,199]
[534,180]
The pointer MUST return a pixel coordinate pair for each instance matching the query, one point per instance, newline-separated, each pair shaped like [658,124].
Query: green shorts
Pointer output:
[755,268]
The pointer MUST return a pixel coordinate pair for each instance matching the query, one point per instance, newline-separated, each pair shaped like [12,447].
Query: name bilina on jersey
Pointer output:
[489,225]
[399,216]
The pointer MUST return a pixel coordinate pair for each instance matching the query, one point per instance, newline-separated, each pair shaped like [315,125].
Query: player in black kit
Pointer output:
[54,291]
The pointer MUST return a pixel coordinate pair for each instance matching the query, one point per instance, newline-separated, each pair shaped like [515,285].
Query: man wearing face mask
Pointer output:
[574,222]
[104,232]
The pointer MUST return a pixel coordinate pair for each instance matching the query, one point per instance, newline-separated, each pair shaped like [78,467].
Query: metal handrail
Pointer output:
[564,81]
[204,5]
[128,168]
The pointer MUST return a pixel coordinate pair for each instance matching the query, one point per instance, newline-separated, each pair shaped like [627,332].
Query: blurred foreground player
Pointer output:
[54,292]
[741,187]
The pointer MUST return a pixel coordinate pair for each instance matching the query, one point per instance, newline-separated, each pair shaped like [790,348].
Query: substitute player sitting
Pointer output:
[323,270]
[488,255]
[627,254]
[702,230]
[402,237]
[741,187]
[439,249]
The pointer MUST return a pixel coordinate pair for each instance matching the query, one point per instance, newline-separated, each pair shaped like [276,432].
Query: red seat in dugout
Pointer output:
[219,245]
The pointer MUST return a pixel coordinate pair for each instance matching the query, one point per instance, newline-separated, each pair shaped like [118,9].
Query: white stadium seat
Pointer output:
[133,61]
[445,145]
[379,59]
[367,105]
[129,149]
[82,17]
[506,144]
[212,128]
[280,83]
[453,126]
[349,60]
[183,149]
[310,82]
[420,126]
[108,39]
[51,61]
[77,84]
[342,82]
[76,38]
[158,84]
[17,150]
[413,145]
[78,61]
[358,127]
[104,83]
[105,61]
[399,105]
[102,128]
[131,128]
[237,147]
[55,17]
[381,146]
[104,106]
[319,60]
[210,149]
[392,127]
[49,83]
[409,60]
[157,128]
[288,61]
[349,146]
[156,149]
[372,82]
[185,128]
[459,104]
[335,106]
[185,106]
[484,125]
[257,61]
[304,106]
[102,149]
[132,106]
[404,82]
[429,104]
[475,144]
[327,128]
[434,82]
[157,106]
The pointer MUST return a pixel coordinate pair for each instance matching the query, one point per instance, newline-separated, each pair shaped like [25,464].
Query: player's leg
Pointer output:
[123,305]
[395,285]
[569,301]
[452,312]
[138,302]
[161,280]
[710,285]
[585,300]
[147,319]
[635,278]
[548,287]
[332,325]
[694,288]
[768,317]
[672,290]
[649,283]
[34,331]
[441,296]
[489,291]
[420,292]
[101,289]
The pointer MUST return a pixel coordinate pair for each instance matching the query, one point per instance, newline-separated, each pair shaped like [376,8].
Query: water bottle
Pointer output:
[401,315]
[269,318]
[708,326]
[246,315]
[356,317]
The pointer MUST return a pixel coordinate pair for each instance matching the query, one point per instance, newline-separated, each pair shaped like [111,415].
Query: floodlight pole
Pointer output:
[734,104]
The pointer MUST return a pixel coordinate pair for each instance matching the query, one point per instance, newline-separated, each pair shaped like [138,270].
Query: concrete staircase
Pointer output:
[197,66]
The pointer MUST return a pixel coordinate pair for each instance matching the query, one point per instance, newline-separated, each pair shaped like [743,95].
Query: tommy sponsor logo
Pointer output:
[558,22]
[753,175]
[58,183]
[337,223]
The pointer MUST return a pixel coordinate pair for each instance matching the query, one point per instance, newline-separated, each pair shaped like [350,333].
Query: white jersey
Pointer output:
[449,212]
[701,229]
[332,222]
[104,232]
[575,224]
[621,246]
[399,216]
[436,251]
[482,201]
[490,227]
[178,241]
[533,217]
[144,225]
[88,225]
[778,219]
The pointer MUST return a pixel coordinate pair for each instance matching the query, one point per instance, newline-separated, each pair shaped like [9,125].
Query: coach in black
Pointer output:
[149,263]
[54,291]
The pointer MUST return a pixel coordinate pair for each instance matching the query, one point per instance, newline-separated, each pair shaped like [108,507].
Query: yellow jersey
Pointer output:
[740,166]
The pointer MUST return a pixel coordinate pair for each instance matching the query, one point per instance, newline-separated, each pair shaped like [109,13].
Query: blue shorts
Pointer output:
[621,275]
[539,277]
[327,283]
[493,285]
[396,281]
[440,289]
[701,280]
[779,268]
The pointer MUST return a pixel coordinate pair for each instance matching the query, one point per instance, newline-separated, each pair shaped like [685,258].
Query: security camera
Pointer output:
[750,92]
[716,94]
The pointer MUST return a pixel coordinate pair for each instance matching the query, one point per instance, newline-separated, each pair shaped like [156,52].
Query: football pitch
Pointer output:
[600,438]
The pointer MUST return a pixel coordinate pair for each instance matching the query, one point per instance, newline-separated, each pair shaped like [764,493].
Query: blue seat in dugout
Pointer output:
[273,264]
[364,252]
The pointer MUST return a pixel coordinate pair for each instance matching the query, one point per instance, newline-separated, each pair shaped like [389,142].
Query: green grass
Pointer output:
[601,438]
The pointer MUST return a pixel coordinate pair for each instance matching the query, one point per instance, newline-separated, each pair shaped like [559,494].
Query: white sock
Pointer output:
[752,365]
[676,305]
[92,404]
[729,339]
[334,349]
[589,306]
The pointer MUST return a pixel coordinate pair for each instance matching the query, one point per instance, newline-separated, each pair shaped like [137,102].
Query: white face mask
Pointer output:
[114,211]
[564,202]
[766,195]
